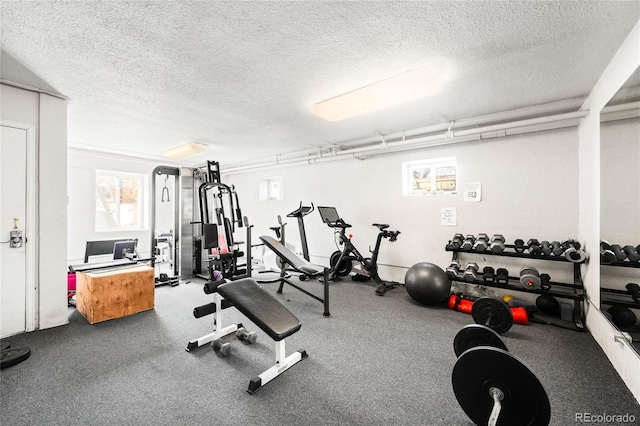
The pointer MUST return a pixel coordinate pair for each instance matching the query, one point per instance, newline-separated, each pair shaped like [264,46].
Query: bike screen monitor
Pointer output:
[329,214]
[122,248]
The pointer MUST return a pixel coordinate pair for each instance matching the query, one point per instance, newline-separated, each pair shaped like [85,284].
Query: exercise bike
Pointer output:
[341,261]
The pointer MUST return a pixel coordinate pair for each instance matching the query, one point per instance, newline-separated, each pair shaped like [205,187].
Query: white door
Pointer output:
[13,263]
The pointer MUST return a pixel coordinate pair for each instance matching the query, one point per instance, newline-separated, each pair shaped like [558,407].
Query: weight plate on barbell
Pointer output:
[482,368]
[493,313]
[13,356]
[473,335]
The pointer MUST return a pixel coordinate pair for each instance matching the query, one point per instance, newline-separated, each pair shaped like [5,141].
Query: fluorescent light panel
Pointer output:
[406,87]
[188,149]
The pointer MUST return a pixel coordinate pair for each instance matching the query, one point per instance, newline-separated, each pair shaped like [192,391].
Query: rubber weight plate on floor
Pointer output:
[473,335]
[5,345]
[481,368]
[493,313]
[13,356]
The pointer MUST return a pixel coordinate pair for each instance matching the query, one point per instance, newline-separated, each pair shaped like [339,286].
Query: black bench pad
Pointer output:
[260,307]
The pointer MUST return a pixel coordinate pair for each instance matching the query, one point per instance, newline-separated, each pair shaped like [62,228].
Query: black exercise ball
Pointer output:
[427,283]
[622,317]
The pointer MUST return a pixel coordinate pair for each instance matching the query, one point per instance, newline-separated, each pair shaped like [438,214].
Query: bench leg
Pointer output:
[218,332]
[283,363]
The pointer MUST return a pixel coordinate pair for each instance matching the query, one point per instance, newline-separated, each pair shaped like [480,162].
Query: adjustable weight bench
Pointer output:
[263,310]
[299,265]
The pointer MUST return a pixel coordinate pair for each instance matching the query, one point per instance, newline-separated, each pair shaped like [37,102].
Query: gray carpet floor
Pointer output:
[375,361]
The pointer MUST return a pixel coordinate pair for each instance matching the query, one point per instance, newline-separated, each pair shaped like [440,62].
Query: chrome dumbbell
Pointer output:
[471,272]
[482,243]
[497,243]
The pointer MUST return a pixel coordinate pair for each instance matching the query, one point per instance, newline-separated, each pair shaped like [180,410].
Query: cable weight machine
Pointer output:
[219,206]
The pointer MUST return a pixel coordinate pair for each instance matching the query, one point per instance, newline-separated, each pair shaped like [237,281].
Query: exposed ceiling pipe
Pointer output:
[497,117]
[316,159]
[428,142]
[522,123]
[620,112]
[449,136]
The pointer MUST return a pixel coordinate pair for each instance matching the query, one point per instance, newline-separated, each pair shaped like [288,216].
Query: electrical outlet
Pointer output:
[15,240]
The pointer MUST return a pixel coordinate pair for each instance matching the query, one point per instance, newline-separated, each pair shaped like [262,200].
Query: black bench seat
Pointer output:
[260,307]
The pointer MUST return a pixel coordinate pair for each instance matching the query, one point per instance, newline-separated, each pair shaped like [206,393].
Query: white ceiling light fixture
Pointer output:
[188,149]
[409,86]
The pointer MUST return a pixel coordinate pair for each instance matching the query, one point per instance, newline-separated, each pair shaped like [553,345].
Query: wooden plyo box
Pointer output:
[102,296]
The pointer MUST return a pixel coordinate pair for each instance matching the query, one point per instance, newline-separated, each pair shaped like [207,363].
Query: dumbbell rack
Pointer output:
[572,291]
[612,296]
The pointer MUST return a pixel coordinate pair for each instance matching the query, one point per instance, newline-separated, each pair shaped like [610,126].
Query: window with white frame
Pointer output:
[423,177]
[270,189]
[120,201]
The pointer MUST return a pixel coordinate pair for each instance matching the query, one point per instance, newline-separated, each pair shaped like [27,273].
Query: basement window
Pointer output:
[429,177]
[120,201]
[270,189]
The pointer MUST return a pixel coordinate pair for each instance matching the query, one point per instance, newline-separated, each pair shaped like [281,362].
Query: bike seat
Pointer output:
[381,226]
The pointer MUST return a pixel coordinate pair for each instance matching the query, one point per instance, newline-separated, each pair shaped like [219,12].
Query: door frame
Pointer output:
[31,224]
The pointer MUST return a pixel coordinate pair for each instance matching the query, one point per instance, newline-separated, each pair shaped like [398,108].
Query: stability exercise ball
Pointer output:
[427,283]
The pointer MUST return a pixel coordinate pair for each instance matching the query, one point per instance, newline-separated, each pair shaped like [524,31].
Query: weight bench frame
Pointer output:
[262,309]
[299,265]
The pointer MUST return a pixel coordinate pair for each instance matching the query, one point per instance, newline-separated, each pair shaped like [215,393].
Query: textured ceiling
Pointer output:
[146,76]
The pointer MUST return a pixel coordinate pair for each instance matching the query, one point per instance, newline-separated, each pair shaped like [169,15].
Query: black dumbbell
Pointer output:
[632,253]
[497,243]
[482,243]
[607,256]
[545,281]
[634,289]
[502,276]
[546,248]
[573,252]
[530,278]
[620,256]
[556,248]
[470,272]
[468,242]
[518,246]
[488,274]
[456,242]
[453,270]
[534,247]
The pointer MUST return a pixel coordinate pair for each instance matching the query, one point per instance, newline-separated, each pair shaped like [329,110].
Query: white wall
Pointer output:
[529,190]
[623,64]
[49,114]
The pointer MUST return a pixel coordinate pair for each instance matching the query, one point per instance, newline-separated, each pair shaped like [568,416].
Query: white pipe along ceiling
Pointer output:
[471,129]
